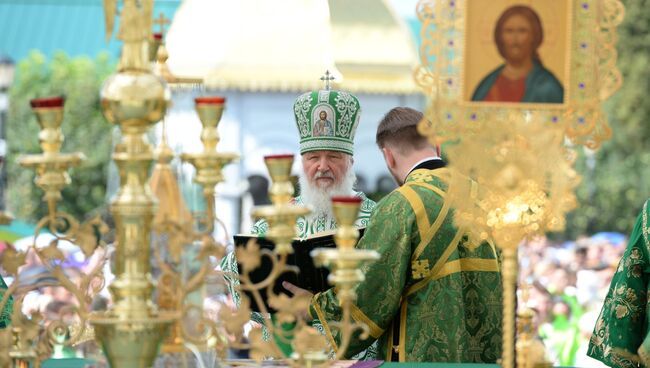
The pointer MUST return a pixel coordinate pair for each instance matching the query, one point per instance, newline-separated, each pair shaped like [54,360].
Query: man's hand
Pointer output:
[299,294]
[296,291]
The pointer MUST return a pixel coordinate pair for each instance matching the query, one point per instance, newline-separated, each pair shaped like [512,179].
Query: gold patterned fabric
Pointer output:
[5,314]
[621,336]
[304,228]
[445,293]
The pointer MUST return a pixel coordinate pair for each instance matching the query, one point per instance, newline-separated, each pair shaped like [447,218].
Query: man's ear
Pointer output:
[389,157]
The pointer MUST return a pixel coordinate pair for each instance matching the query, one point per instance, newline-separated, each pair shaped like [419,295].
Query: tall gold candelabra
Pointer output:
[209,162]
[132,329]
[173,288]
[28,344]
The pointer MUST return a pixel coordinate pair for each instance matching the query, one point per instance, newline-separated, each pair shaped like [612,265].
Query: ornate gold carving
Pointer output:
[132,330]
[590,65]
[512,177]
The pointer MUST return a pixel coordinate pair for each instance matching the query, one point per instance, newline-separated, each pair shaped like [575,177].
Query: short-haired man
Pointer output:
[432,296]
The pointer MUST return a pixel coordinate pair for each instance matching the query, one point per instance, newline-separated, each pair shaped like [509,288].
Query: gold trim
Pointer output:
[465,264]
[494,248]
[644,356]
[426,237]
[309,309]
[451,115]
[426,231]
[415,201]
[443,174]
[469,265]
[438,191]
[645,230]
[402,332]
[389,343]
[323,321]
[439,264]
[359,316]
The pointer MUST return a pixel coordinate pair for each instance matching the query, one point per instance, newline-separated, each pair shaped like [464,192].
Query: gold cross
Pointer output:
[420,268]
[327,78]
[161,21]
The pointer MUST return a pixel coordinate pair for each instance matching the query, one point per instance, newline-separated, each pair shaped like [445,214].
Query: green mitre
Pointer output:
[327,120]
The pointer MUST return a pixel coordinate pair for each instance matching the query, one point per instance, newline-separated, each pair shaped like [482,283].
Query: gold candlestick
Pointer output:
[282,215]
[345,261]
[530,351]
[51,166]
[209,163]
[135,99]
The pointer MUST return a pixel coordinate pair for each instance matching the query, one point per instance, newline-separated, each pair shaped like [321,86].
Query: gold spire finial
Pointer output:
[161,22]
[327,78]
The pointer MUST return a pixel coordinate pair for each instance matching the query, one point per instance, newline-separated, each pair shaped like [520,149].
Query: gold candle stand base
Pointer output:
[132,343]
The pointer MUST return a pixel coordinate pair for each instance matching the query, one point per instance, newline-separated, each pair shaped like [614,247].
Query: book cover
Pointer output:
[308,277]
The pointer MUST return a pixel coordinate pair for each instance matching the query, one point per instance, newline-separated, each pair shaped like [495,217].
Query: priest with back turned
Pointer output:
[434,295]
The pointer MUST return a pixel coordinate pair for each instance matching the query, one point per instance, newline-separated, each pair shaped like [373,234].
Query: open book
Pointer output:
[309,277]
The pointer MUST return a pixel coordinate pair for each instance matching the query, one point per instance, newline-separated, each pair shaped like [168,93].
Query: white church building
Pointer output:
[261,55]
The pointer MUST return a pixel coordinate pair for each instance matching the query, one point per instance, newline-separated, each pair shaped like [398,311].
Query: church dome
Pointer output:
[261,45]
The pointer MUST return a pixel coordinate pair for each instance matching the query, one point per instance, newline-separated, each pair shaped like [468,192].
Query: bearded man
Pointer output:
[325,173]
[327,169]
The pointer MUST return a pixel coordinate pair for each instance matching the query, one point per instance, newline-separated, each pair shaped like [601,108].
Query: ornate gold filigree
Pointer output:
[590,63]
[520,179]
[133,328]
[513,181]
[512,176]
[32,341]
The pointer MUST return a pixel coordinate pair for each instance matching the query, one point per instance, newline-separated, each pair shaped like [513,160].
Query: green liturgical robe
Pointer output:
[622,333]
[431,296]
[5,315]
[304,228]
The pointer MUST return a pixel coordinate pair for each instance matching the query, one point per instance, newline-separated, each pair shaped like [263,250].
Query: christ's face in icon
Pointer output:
[323,115]
[517,38]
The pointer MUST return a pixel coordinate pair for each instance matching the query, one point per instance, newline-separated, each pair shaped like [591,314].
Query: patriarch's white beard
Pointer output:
[320,199]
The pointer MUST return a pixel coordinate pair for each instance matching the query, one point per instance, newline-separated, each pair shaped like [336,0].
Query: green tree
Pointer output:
[85,129]
[616,181]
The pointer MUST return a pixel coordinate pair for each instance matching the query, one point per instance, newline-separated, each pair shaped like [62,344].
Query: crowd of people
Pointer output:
[568,282]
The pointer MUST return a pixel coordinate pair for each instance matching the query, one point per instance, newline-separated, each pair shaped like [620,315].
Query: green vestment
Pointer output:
[622,329]
[445,292]
[5,315]
[305,226]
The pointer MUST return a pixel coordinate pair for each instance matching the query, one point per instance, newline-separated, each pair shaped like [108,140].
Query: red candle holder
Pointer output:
[47,102]
[210,100]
